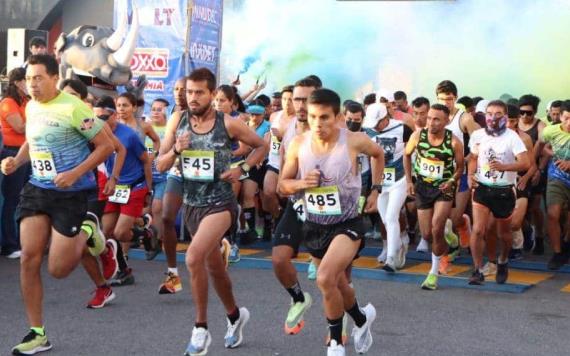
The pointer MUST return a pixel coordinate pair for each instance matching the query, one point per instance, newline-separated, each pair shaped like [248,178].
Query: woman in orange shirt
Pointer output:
[13,121]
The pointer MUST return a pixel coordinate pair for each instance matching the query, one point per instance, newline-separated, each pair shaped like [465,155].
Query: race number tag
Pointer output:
[431,169]
[493,176]
[236,164]
[275,145]
[323,201]
[299,208]
[43,166]
[121,195]
[198,165]
[389,177]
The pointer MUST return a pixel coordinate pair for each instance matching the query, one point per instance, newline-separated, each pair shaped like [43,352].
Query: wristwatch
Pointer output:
[175,151]
[377,187]
[245,167]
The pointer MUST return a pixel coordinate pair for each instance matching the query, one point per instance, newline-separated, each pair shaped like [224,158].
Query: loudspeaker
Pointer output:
[18,49]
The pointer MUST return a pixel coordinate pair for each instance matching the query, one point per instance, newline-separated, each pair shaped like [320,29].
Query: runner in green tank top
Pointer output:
[438,167]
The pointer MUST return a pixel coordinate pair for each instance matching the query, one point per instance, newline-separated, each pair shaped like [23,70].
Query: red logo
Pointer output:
[150,61]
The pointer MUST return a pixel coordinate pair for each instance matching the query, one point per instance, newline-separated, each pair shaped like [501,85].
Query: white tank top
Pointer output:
[274,158]
[455,127]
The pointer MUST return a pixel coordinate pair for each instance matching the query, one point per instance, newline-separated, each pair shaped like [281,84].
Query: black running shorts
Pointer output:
[319,237]
[289,230]
[65,209]
[500,200]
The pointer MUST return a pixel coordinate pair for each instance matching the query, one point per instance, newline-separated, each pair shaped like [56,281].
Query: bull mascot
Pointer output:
[100,57]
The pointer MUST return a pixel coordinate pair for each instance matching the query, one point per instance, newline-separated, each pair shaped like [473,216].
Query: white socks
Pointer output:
[173,270]
[434,264]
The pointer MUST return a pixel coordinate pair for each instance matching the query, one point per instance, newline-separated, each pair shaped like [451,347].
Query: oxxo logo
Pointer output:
[150,61]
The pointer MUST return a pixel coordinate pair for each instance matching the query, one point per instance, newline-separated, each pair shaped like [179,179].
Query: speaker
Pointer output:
[18,51]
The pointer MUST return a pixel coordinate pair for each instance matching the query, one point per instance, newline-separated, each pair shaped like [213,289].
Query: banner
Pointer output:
[205,35]
[160,45]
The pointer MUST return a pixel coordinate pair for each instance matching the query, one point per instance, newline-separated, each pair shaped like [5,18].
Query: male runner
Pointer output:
[497,153]
[53,203]
[438,166]
[211,208]
[321,165]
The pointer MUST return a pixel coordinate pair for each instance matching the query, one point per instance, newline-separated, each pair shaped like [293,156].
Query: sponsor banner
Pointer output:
[206,35]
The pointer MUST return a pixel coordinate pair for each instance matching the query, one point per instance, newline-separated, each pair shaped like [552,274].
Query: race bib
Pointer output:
[389,177]
[236,164]
[493,177]
[299,208]
[323,201]
[275,145]
[43,166]
[198,165]
[431,169]
[121,195]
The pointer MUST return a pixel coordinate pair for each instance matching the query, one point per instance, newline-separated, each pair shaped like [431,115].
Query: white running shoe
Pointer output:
[383,256]
[362,336]
[423,246]
[335,350]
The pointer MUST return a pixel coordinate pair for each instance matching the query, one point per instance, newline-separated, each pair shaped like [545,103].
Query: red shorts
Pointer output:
[134,206]
[101,182]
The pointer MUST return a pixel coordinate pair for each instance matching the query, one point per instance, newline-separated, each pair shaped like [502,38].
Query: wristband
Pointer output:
[175,152]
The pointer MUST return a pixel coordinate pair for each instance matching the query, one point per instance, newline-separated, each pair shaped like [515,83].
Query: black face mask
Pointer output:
[353,125]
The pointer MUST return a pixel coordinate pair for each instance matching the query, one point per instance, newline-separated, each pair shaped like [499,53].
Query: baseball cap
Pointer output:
[374,113]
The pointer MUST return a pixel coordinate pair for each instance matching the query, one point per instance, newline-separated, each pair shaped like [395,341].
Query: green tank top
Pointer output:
[434,165]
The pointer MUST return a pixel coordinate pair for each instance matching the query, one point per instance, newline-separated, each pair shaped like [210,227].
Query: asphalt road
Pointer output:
[410,321]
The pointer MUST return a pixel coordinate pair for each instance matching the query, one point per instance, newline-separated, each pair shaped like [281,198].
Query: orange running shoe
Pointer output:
[464,231]
[444,265]
[171,285]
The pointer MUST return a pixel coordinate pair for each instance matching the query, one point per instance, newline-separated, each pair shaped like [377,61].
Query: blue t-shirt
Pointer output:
[58,133]
[133,168]
[262,129]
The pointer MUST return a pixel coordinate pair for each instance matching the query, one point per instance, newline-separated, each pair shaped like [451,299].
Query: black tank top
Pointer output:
[533,132]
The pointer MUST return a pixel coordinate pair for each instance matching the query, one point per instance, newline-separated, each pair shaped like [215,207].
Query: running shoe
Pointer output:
[390,265]
[489,269]
[450,237]
[14,255]
[401,262]
[444,265]
[423,246]
[383,255]
[528,235]
[335,349]
[516,254]
[477,278]
[109,260]
[430,282]
[147,220]
[124,278]
[361,335]
[464,231]
[234,254]
[172,284]
[502,273]
[199,342]
[557,261]
[32,344]
[103,295]
[312,271]
[294,322]
[234,334]
[95,238]
[226,249]
[151,243]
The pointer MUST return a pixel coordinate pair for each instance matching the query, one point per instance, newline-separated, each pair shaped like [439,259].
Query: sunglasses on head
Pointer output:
[526,112]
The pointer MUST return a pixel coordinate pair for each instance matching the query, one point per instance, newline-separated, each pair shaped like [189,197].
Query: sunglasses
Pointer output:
[104,117]
[526,112]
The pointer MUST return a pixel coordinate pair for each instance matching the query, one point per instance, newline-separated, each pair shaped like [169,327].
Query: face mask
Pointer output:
[353,125]
[495,125]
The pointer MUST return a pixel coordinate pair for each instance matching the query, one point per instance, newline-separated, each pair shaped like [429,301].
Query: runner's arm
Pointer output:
[529,152]
[103,149]
[153,136]
[468,124]
[146,159]
[240,131]
[409,150]
[166,156]
[288,184]
[459,159]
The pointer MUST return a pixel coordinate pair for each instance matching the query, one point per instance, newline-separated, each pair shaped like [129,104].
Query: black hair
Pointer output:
[237,100]
[11,91]
[52,68]
[325,97]
[500,104]
[565,106]
[556,104]
[466,101]
[529,99]
[446,87]
[369,99]
[203,74]
[400,95]
[317,80]
[440,107]
[162,100]
[276,95]
[354,107]
[105,102]
[513,111]
[37,42]
[419,101]
[76,85]
[228,91]
[264,100]
[130,97]
[477,99]
[307,82]
[287,89]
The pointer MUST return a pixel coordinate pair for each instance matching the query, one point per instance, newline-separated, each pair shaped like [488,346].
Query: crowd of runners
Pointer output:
[300,168]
